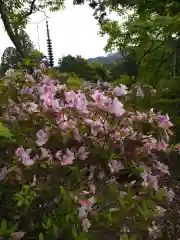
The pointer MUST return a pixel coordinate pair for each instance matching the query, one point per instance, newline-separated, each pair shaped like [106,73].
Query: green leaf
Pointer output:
[55,230]
[41,236]
[140,209]
[122,202]
[49,222]
[67,218]
[27,61]
[3,226]
[62,191]
[20,203]
[4,131]
[74,233]
[160,194]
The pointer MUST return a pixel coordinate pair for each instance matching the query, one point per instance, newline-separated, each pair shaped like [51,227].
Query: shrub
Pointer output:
[86,167]
[74,82]
[125,80]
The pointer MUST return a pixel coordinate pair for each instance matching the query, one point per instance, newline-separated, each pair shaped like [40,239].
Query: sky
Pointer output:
[73,31]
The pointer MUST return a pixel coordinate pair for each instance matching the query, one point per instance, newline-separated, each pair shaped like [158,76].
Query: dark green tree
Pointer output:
[11,57]
[100,71]
[77,65]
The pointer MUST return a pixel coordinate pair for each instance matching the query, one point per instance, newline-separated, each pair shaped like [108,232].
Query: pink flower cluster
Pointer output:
[93,120]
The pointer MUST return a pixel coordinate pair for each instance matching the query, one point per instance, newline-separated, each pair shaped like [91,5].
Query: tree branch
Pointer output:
[9,29]
[32,6]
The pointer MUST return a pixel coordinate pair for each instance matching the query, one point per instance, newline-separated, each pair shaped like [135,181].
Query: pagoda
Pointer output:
[49,47]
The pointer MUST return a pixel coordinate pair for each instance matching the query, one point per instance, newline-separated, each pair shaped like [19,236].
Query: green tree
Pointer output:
[148,31]
[11,57]
[77,65]
[101,72]
[123,67]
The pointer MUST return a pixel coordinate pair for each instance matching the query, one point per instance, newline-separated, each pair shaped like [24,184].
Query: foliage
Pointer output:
[4,131]
[100,71]
[11,58]
[147,36]
[76,65]
[87,163]
[74,82]
[125,80]
[90,72]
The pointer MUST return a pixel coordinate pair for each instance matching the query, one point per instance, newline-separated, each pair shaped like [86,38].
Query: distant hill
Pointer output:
[110,58]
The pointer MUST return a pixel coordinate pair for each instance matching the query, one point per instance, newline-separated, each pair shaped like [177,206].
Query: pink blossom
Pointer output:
[80,102]
[98,97]
[161,167]
[23,156]
[177,146]
[41,138]
[116,107]
[82,154]
[29,78]
[162,145]
[84,202]
[115,166]
[31,107]
[59,117]
[68,157]
[47,93]
[61,87]
[140,116]
[49,88]
[27,90]
[42,66]
[88,121]
[163,121]
[55,105]
[77,136]
[86,224]
[149,144]
[153,231]
[58,155]
[104,126]
[47,99]
[120,91]
[169,194]
[70,98]
[149,180]
[139,92]
[92,188]
[84,193]
[46,154]
[97,126]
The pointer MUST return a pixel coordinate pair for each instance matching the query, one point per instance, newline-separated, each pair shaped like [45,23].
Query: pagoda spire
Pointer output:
[49,47]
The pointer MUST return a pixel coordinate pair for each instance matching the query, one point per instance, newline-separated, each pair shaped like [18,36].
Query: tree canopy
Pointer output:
[11,57]
[77,65]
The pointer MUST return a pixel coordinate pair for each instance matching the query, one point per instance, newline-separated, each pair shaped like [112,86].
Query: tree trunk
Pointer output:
[10,31]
